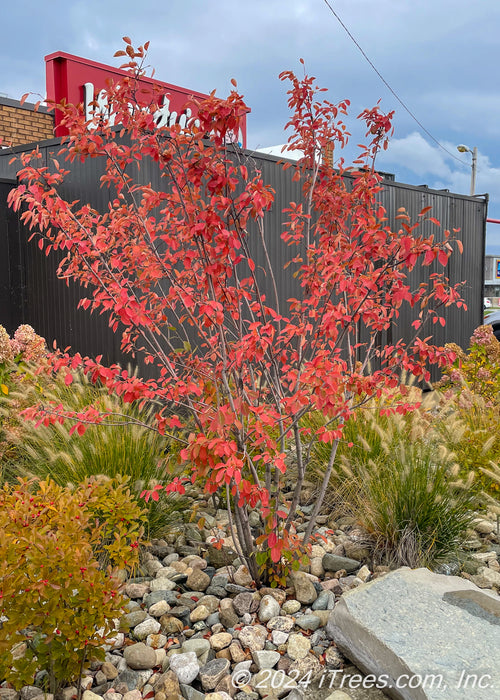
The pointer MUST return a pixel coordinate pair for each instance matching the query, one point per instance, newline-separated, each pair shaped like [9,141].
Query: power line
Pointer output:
[390,88]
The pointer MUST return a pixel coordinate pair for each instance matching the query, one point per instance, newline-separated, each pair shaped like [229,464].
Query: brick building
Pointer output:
[21,124]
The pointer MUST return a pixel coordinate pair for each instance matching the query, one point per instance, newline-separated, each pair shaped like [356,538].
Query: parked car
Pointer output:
[494,320]
[486,303]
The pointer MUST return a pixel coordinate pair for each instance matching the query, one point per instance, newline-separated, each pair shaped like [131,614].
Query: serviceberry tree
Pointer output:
[238,368]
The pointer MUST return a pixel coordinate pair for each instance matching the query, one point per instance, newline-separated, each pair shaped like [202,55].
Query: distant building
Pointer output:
[282,151]
[492,278]
[78,80]
[22,123]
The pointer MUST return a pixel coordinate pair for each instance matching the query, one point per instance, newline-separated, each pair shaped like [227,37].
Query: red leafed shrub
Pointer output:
[175,265]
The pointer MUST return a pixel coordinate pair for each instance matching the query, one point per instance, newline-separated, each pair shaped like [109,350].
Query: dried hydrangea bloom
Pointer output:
[456,349]
[24,334]
[484,374]
[6,354]
[36,350]
[16,347]
[456,376]
[29,343]
[483,335]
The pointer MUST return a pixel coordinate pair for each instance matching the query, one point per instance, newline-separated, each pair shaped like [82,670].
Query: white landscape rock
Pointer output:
[185,666]
[298,646]
[416,623]
[162,584]
[148,626]
[268,608]
[484,527]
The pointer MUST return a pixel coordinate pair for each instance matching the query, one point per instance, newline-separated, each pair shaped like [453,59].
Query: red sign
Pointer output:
[80,81]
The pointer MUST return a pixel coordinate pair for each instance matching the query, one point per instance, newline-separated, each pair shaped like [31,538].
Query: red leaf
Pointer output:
[443,257]
[425,210]
[275,554]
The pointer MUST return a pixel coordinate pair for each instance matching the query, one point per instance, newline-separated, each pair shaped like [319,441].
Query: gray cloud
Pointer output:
[441,57]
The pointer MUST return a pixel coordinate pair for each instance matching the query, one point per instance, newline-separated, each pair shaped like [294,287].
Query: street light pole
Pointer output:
[473,174]
[466,149]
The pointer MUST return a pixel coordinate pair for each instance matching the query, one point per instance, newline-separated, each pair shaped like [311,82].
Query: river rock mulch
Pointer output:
[196,628]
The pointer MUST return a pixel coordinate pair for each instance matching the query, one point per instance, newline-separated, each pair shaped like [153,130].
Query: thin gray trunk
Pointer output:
[321,497]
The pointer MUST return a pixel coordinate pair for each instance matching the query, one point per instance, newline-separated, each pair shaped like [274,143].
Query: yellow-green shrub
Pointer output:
[59,605]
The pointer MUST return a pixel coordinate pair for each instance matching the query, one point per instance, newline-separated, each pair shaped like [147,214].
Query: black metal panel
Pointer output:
[11,267]
[51,306]
[468,215]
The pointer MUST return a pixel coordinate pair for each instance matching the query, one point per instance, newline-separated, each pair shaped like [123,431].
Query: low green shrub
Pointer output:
[58,603]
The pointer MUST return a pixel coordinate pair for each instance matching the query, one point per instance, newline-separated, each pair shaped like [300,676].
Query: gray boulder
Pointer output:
[412,625]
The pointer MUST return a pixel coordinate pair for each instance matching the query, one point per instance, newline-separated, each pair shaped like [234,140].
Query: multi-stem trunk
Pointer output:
[246,541]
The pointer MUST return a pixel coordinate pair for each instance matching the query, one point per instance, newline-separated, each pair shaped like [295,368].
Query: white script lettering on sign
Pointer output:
[98,105]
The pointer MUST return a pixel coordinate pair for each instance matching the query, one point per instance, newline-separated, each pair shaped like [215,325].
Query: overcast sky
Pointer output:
[441,57]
